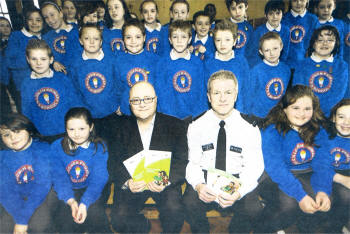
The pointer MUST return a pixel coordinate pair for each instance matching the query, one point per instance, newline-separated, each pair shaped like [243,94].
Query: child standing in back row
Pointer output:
[238,11]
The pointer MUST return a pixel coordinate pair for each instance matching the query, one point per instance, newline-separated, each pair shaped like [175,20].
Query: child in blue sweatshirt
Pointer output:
[70,12]
[273,13]
[324,10]
[293,145]
[180,83]
[116,16]
[62,38]
[225,58]
[79,162]
[136,64]
[301,24]
[47,95]
[339,159]
[202,43]
[156,35]
[268,79]
[15,51]
[25,178]
[323,71]
[97,81]
[238,12]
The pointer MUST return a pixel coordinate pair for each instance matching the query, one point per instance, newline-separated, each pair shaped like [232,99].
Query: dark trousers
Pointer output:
[245,212]
[283,211]
[126,217]
[95,222]
[339,214]
[40,222]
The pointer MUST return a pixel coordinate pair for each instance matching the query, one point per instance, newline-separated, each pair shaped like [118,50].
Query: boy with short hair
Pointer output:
[180,79]
[273,12]
[237,10]
[225,57]
[202,42]
[269,78]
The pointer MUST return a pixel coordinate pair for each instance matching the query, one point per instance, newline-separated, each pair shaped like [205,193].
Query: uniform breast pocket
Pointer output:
[235,160]
[208,156]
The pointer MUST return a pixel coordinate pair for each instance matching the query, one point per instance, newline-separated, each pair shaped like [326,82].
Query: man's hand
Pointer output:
[74,207]
[226,200]
[136,186]
[308,205]
[81,214]
[323,201]
[58,67]
[155,187]
[20,229]
[205,194]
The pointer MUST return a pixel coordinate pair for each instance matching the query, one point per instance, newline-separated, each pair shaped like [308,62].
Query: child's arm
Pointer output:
[341,179]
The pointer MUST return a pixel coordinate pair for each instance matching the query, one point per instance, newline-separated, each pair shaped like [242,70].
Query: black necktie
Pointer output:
[221,148]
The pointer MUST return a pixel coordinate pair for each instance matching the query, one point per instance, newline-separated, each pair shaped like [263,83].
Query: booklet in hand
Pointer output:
[222,182]
[150,165]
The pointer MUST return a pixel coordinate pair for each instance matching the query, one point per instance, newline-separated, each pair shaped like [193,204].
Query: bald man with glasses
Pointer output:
[146,129]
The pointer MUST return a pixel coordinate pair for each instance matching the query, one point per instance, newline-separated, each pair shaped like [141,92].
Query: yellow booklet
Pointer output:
[150,165]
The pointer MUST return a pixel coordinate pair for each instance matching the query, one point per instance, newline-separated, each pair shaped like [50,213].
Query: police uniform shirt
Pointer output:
[243,149]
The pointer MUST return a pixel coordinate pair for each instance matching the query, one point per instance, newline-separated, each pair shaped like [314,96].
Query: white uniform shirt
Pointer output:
[243,149]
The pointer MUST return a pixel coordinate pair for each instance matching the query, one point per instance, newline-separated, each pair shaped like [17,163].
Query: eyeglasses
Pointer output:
[137,101]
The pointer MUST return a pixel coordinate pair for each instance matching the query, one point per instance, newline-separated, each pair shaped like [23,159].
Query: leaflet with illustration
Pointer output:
[222,182]
[150,165]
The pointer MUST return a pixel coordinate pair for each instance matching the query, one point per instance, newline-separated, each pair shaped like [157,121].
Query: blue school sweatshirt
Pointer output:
[328,80]
[132,68]
[252,53]
[209,46]
[268,84]
[156,39]
[15,54]
[239,67]
[97,83]
[45,102]
[300,29]
[339,153]
[62,43]
[113,39]
[244,33]
[180,87]
[25,180]
[284,154]
[347,42]
[85,169]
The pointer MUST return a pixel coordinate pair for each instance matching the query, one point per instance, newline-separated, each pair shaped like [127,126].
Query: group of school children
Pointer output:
[83,67]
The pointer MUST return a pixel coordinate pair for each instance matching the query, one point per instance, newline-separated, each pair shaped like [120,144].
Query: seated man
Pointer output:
[222,139]
[146,129]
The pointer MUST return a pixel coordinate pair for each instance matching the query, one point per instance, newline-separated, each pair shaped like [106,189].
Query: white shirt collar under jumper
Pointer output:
[68,29]
[224,60]
[149,29]
[34,76]
[325,21]
[270,64]
[270,28]
[203,40]
[85,145]
[146,135]
[174,56]
[235,21]
[99,57]
[318,60]
[28,34]
[297,14]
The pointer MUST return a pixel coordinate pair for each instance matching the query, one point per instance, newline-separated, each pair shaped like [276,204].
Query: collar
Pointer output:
[318,60]
[158,28]
[99,57]
[325,21]
[203,40]
[234,114]
[270,64]
[85,145]
[68,29]
[235,21]
[270,28]
[34,76]
[28,34]
[174,56]
[297,14]
[73,22]
[231,57]
[151,125]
